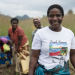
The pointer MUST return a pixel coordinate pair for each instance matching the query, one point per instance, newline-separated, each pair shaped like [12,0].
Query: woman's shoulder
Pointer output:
[68,30]
[42,30]
[10,29]
[19,28]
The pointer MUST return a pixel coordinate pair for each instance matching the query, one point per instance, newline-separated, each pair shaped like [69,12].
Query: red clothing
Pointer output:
[14,36]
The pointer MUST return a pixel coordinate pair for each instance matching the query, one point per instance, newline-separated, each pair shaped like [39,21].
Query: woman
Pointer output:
[6,51]
[51,46]
[21,45]
[37,24]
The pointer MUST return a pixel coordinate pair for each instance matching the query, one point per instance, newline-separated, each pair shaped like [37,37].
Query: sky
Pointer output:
[32,8]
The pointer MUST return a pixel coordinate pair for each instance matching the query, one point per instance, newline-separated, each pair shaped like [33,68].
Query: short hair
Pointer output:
[14,19]
[55,6]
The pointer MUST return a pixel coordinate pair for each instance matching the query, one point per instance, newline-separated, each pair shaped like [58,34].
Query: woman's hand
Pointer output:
[15,51]
[72,57]
[10,41]
[19,42]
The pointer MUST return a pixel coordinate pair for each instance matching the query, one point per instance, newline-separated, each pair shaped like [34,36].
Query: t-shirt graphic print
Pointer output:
[58,49]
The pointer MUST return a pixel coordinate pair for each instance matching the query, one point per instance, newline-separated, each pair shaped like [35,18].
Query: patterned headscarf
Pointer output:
[36,19]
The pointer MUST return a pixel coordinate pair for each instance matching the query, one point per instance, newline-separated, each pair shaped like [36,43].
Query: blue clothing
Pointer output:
[5,37]
[33,33]
[63,71]
[6,58]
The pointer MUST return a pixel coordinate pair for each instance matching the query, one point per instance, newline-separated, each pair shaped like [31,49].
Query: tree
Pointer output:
[44,15]
[70,12]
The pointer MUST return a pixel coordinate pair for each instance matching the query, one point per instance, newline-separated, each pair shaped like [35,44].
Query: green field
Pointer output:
[28,27]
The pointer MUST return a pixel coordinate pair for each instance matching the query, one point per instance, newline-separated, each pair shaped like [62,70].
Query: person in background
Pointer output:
[5,51]
[37,24]
[52,46]
[18,36]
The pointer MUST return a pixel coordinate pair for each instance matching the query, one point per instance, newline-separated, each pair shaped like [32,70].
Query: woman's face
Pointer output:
[37,24]
[55,17]
[14,24]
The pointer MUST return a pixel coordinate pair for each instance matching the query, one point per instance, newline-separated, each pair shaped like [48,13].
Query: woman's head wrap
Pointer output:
[36,19]
[4,40]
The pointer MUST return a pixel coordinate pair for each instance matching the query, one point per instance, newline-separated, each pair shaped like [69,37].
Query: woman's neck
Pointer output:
[55,29]
[13,30]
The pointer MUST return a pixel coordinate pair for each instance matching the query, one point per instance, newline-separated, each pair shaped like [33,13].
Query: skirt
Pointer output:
[5,58]
[58,70]
[23,57]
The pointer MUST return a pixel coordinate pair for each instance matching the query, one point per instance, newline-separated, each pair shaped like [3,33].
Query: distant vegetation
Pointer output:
[70,12]
[28,27]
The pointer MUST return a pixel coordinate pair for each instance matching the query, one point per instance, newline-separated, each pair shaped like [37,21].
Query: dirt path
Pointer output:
[5,71]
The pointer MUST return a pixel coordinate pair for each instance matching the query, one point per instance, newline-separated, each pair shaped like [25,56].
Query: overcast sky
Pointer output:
[32,8]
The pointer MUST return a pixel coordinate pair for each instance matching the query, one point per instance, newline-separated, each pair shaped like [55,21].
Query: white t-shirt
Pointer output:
[54,46]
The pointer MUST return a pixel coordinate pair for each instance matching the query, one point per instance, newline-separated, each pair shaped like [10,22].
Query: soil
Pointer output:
[6,71]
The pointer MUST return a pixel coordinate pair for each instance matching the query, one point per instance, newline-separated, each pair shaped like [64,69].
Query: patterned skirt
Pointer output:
[23,57]
[58,70]
[5,58]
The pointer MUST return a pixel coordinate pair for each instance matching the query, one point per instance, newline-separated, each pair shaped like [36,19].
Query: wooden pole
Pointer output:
[18,66]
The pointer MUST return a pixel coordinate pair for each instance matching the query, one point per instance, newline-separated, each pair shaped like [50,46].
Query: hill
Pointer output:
[2,15]
[23,17]
[19,17]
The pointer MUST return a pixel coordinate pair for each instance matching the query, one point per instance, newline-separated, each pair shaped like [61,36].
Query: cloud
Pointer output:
[32,8]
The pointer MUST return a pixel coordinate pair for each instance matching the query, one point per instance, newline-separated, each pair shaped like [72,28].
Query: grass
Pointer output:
[28,27]
[9,71]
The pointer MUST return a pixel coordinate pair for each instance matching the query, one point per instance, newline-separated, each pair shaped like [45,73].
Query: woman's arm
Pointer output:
[10,41]
[72,57]
[19,42]
[33,61]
